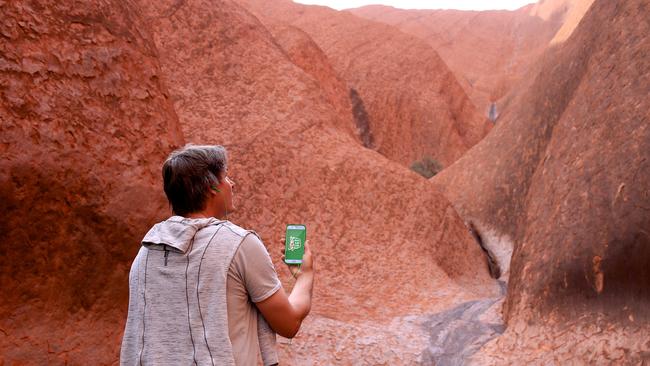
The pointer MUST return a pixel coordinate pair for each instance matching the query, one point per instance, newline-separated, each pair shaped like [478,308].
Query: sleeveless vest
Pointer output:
[177,295]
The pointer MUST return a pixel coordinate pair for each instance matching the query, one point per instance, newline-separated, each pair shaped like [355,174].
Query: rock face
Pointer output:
[566,176]
[90,94]
[414,104]
[84,125]
[94,96]
[294,160]
[306,54]
[489,51]
[572,11]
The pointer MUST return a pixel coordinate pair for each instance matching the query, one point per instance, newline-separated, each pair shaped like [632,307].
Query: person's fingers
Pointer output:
[308,258]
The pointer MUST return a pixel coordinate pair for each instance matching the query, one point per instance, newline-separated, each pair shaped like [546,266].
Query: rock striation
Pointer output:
[565,176]
[84,124]
[415,106]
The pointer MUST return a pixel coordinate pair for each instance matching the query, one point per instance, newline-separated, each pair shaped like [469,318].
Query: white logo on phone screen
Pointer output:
[294,243]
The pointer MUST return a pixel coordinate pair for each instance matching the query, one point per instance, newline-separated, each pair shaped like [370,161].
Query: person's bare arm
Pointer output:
[286,313]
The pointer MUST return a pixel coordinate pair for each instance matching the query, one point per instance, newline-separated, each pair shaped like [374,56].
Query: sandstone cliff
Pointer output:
[565,175]
[84,125]
[415,105]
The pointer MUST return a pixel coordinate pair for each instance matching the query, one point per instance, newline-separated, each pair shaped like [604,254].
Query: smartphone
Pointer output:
[295,243]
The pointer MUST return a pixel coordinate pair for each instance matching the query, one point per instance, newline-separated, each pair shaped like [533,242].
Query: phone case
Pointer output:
[295,243]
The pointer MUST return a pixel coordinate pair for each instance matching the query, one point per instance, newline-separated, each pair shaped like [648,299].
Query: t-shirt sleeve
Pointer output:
[252,265]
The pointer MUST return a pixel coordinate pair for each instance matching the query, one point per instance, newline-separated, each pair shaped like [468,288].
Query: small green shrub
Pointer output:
[426,167]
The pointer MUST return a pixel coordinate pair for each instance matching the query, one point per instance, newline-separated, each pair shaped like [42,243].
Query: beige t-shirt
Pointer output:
[251,278]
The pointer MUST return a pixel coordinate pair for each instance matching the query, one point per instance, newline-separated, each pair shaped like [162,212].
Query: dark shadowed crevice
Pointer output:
[361,119]
[493,265]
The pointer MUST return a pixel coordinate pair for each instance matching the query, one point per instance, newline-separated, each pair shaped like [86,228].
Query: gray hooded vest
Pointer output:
[177,296]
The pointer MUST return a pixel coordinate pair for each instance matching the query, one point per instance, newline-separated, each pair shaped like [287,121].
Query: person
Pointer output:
[202,290]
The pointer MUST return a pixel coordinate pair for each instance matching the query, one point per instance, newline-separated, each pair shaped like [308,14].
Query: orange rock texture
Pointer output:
[84,124]
[380,233]
[415,106]
[306,54]
[93,95]
[489,51]
[572,12]
[322,112]
[566,176]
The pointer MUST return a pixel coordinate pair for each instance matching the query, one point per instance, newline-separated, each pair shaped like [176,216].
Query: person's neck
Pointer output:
[197,215]
[206,214]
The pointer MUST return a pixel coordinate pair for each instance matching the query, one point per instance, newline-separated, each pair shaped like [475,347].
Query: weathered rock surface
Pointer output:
[87,120]
[89,93]
[306,54]
[489,51]
[572,12]
[370,221]
[566,176]
[414,103]
[456,334]
[84,125]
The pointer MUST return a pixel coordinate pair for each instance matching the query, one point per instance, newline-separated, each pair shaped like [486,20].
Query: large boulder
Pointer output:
[84,126]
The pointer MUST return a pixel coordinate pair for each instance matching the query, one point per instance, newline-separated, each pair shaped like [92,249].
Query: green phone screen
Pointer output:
[295,243]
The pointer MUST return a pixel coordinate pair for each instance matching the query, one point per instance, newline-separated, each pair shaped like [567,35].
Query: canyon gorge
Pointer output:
[530,245]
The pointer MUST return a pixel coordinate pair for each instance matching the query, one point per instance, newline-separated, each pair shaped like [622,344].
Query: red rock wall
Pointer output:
[572,12]
[415,105]
[87,118]
[306,54]
[566,174]
[489,51]
[297,157]
[590,193]
[387,245]
[84,125]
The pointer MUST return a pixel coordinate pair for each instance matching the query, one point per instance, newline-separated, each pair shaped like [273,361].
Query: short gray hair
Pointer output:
[188,174]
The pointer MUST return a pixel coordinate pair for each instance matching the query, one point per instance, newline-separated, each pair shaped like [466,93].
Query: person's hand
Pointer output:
[307,259]
[286,313]
[307,265]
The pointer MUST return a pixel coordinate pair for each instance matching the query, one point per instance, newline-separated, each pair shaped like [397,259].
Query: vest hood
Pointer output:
[177,232]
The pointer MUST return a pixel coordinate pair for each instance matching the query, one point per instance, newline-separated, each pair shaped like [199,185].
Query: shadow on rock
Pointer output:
[456,334]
